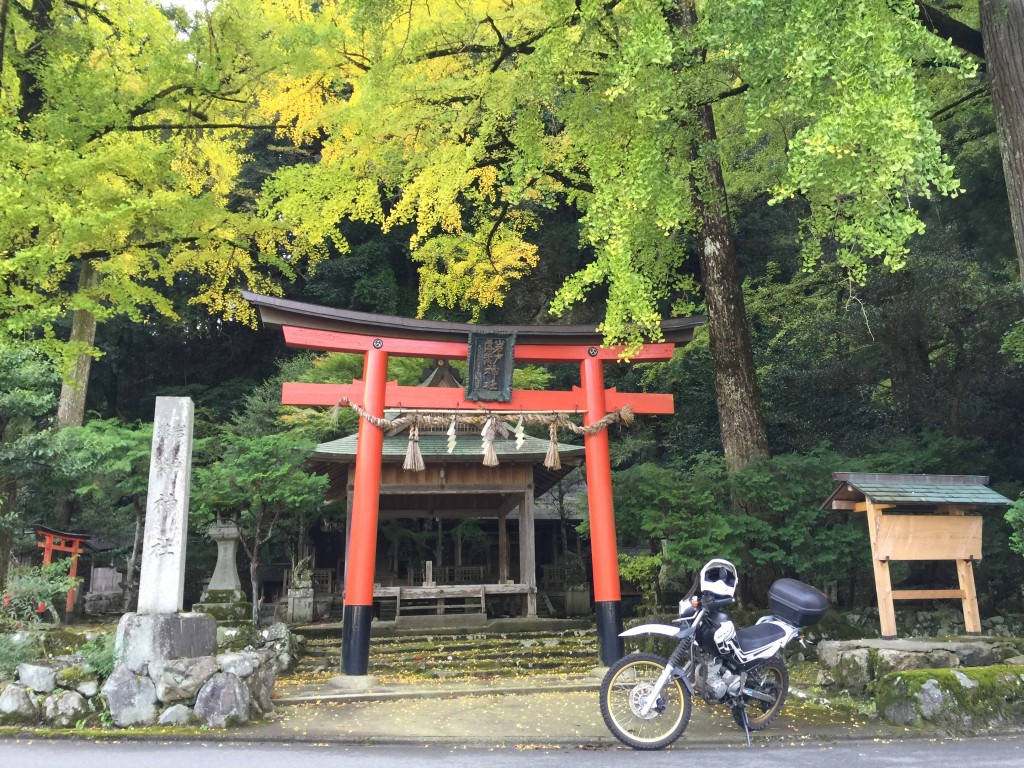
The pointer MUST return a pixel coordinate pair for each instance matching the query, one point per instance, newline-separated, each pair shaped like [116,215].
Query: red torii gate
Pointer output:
[377,337]
[58,541]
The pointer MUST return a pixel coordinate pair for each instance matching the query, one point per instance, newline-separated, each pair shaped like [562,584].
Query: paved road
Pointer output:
[1002,752]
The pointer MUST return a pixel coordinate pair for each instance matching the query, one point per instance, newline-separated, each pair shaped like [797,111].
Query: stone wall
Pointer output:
[971,699]
[854,665]
[215,691]
[947,621]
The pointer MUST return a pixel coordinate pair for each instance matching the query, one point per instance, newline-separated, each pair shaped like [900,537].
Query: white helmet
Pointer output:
[719,577]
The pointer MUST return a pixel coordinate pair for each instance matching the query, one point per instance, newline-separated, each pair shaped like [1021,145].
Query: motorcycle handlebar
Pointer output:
[712,603]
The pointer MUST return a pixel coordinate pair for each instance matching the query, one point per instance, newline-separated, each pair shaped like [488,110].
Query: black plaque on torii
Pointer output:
[489,369]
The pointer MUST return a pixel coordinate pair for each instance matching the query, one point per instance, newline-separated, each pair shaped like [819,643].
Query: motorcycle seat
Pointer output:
[751,638]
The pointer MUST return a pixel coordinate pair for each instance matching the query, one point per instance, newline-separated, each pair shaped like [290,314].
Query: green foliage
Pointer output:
[1013,344]
[464,122]
[112,461]
[781,527]
[257,481]
[845,77]
[259,478]
[99,652]
[29,587]
[13,653]
[1015,517]
[643,571]
[111,187]
[687,509]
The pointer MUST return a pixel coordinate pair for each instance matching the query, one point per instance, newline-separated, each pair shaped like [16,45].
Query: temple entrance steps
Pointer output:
[462,656]
[550,605]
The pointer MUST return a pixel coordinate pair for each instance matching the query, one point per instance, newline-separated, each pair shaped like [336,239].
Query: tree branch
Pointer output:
[94,11]
[949,107]
[5,6]
[964,37]
[201,126]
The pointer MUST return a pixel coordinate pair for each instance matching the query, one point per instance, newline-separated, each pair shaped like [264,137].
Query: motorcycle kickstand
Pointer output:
[746,726]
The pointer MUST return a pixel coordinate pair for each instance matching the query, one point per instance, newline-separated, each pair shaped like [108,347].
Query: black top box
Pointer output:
[797,603]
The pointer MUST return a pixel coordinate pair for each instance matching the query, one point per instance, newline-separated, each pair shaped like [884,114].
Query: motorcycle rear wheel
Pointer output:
[623,690]
[771,679]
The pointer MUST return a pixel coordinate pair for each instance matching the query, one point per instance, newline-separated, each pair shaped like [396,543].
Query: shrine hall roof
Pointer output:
[909,490]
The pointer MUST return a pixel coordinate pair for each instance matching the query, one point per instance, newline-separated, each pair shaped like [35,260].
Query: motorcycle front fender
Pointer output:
[651,629]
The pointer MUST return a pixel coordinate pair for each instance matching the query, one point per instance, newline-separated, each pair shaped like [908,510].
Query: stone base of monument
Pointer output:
[300,605]
[353,682]
[145,637]
[228,607]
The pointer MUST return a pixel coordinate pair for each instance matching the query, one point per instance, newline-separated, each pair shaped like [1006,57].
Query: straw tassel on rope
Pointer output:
[413,457]
[492,427]
[552,460]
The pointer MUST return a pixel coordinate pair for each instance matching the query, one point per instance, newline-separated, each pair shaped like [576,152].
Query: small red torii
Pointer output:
[377,337]
[58,541]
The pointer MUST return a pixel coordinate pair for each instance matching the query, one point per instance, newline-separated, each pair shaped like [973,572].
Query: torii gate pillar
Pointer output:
[355,637]
[604,551]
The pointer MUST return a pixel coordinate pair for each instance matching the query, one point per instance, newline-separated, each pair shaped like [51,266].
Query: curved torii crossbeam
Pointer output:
[377,337]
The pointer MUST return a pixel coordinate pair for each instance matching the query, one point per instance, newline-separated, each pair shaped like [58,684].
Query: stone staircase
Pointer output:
[467,656]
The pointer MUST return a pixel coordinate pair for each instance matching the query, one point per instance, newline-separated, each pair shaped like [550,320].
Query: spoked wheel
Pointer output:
[772,681]
[626,689]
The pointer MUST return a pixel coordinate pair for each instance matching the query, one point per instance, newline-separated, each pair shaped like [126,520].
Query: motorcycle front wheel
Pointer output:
[772,680]
[628,684]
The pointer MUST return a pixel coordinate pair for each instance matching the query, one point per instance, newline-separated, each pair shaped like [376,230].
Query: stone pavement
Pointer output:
[541,712]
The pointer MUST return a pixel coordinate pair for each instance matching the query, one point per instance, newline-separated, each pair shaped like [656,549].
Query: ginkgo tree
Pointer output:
[467,120]
[122,129]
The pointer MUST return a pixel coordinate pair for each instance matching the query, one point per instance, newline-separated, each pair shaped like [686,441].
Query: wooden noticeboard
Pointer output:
[928,537]
[950,535]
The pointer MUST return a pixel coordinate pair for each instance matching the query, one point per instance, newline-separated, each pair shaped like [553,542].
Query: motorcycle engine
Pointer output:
[716,682]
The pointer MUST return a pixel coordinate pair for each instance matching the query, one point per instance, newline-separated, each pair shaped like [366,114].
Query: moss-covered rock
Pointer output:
[959,699]
[62,642]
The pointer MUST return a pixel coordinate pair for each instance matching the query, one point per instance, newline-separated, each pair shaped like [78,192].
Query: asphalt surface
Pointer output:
[1002,752]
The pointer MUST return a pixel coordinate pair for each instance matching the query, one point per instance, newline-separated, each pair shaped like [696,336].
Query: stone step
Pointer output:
[460,644]
[466,656]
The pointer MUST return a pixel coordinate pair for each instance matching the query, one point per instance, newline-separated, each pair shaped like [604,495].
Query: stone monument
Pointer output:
[300,592]
[223,598]
[158,630]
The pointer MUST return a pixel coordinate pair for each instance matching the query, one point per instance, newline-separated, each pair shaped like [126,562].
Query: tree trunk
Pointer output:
[254,584]
[1002,27]
[739,403]
[71,410]
[131,592]
[8,493]
[40,22]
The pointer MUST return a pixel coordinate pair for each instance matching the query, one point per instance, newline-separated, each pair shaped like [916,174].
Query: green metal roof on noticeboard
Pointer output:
[904,490]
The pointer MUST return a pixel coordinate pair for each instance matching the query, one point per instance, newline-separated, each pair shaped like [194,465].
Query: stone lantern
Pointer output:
[223,598]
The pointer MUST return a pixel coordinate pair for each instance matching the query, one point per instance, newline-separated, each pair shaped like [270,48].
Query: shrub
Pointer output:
[14,651]
[99,652]
[30,587]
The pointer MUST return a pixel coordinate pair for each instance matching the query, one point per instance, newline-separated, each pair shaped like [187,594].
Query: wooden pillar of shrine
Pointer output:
[528,552]
[502,548]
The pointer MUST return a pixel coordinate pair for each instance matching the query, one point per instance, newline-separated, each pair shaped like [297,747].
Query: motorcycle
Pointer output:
[646,700]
